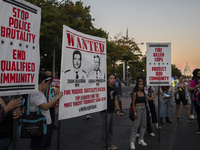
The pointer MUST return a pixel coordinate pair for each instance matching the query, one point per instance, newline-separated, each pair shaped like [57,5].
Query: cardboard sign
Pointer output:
[19,47]
[158,64]
[83,74]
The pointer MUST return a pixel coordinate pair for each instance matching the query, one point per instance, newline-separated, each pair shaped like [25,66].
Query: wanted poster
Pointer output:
[19,47]
[83,74]
[158,64]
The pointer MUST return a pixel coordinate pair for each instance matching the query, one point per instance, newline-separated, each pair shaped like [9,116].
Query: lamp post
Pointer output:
[54,50]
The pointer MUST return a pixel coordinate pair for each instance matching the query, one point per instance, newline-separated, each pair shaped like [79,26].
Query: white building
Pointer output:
[187,71]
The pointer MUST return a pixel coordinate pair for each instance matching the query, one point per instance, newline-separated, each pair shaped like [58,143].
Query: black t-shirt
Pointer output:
[111,93]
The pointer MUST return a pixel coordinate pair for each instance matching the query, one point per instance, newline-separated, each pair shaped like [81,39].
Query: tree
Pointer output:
[175,71]
[130,52]
[53,17]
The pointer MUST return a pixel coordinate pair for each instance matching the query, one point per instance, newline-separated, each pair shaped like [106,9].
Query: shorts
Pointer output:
[42,142]
[119,98]
[181,99]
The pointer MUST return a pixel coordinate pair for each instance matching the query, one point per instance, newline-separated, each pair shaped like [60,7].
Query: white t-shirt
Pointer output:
[37,99]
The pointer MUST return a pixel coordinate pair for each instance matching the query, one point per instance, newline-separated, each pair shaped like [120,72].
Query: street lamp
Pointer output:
[54,51]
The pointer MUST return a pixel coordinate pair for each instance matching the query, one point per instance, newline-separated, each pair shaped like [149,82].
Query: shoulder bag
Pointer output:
[33,124]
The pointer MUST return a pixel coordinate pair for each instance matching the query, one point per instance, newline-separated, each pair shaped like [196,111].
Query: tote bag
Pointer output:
[33,124]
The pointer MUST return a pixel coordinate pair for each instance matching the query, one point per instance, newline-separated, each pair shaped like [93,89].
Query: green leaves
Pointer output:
[53,17]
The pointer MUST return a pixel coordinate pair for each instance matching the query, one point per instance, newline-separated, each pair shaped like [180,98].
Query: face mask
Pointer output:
[198,77]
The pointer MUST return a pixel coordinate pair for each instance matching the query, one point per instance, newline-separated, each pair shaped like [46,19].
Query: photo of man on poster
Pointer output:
[76,73]
[96,73]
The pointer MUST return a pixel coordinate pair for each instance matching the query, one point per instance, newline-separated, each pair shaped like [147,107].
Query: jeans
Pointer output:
[109,129]
[165,104]
[5,143]
[140,123]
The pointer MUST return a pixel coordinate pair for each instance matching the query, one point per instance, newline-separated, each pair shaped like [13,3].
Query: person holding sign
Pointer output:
[39,100]
[112,103]
[167,92]
[7,114]
[139,109]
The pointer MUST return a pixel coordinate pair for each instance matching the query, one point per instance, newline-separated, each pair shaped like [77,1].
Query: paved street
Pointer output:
[80,134]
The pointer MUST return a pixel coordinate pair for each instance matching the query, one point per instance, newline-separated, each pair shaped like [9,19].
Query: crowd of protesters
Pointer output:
[143,107]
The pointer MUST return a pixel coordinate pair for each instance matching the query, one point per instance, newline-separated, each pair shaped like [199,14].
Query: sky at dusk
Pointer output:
[174,21]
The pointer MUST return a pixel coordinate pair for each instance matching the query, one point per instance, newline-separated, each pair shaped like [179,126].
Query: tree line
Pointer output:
[77,16]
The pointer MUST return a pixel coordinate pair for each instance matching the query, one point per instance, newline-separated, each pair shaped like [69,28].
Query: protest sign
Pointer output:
[53,90]
[19,45]
[83,74]
[158,64]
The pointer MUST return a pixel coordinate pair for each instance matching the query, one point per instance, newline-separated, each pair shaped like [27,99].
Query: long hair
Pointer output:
[137,86]
[195,72]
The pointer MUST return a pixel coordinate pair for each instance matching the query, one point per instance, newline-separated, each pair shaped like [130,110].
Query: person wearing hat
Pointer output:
[39,100]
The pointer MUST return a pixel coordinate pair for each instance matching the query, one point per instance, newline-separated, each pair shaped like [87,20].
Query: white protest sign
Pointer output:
[19,47]
[158,64]
[83,74]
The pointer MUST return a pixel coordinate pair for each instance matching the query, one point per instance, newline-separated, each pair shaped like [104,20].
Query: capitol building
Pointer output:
[187,71]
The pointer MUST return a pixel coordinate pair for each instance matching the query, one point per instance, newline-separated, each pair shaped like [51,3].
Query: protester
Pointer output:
[112,103]
[152,108]
[7,114]
[118,88]
[148,111]
[149,127]
[39,100]
[182,95]
[166,102]
[138,102]
[48,96]
[194,85]
[191,93]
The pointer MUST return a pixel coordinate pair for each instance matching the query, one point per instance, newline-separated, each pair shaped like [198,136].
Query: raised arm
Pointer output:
[46,106]
[150,98]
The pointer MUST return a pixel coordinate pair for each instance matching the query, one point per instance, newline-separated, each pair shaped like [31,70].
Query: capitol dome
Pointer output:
[187,68]
[187,71]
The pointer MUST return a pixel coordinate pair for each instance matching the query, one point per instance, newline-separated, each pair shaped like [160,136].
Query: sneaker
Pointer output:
[122,113]
[88,117]
[178,119]
[137,135]
[197,132]
[142,142]
[192,117]
[111,147]
[151,134]
[132,145]
[190,120]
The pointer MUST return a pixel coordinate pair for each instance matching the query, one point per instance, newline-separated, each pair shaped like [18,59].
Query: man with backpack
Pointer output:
[195,85]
